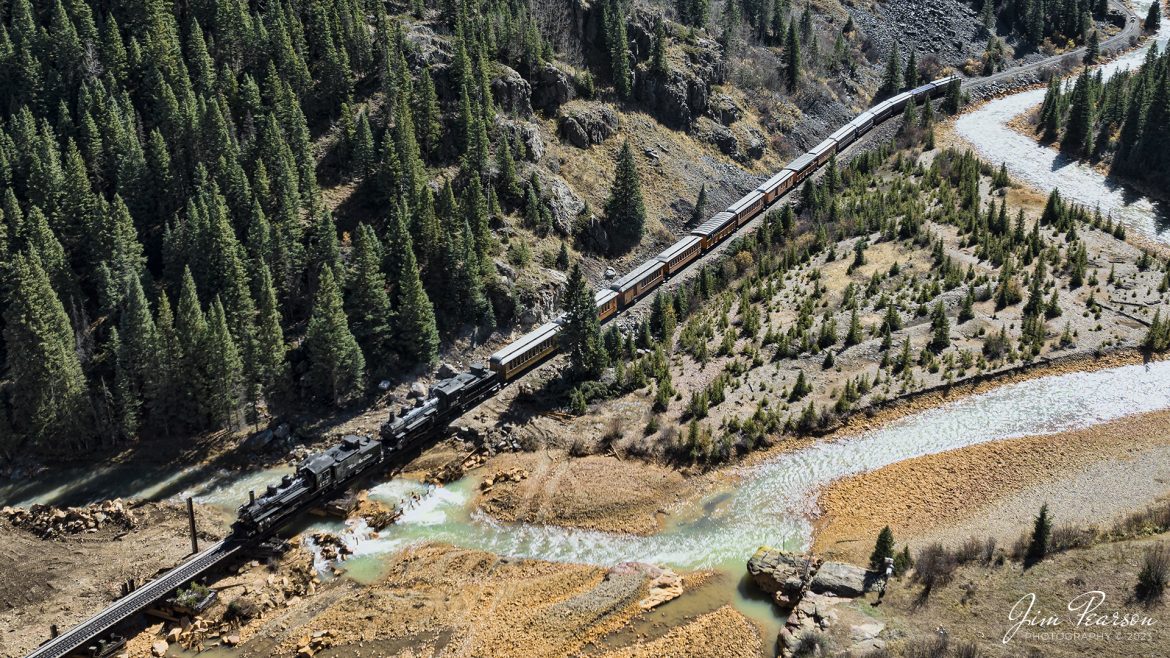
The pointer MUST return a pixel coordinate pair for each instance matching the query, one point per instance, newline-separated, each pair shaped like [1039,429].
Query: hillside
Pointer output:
[220,214]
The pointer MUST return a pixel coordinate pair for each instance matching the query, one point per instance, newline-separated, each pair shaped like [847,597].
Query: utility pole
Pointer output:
[191,519]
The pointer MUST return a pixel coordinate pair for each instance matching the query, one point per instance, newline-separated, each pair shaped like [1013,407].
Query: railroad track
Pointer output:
[1131,30]
[134,602]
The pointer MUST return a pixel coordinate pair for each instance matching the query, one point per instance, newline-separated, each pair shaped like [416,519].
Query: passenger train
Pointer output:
[535,346]
[410,428]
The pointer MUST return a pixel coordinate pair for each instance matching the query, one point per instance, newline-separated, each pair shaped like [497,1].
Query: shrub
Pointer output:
[580,447]
[1155,571]
[926,647]
[967,650]
[975,550]
[811,643]
[1150,521]
[1067,537]
[651,426]
[934,567]
[903,562]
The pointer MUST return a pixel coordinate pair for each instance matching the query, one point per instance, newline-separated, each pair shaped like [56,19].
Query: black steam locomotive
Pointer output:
[329,471]
[316,475]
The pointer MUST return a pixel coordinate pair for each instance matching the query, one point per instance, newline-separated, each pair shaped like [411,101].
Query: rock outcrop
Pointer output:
[782,574]
[840,579]
[564,204]
[511,92]
[809,590]
[586,124]
[552,88]
[522,134]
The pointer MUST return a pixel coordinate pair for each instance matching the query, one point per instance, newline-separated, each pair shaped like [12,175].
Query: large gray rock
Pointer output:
[426,48]
[840,579]
[721,136]
[552,88]
[522,133]
[511,92]
[725,110]
[562,202]
[754,144]
[781,573]
[584,125]
[674,98]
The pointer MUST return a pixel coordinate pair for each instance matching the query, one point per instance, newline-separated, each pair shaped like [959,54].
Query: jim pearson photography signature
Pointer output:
[1084,615]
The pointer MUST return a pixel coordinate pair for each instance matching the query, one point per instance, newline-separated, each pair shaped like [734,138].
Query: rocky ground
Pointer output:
[58,572]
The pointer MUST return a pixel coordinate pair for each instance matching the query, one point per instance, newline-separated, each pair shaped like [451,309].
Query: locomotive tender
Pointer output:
[328,471]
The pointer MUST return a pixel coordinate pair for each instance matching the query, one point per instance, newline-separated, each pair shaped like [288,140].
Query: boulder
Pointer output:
[724,109]
[563,203]
[159,648]
[552,88]
[511,92]
[840,579]
[584,125]
[522,134]
[446,371]
[754,144]
[259,441]
[781,573]
[722,137]
[417,390]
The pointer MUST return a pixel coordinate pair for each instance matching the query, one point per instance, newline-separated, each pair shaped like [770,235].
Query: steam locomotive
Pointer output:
[412,428]
[327,472]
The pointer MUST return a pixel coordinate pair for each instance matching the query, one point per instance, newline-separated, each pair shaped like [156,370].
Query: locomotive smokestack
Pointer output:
[252,497]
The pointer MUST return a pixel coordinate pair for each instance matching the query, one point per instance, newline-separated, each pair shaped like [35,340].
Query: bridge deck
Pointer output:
[135,602]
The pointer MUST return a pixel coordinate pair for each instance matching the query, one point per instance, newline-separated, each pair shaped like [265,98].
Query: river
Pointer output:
[770,503]
[986,129]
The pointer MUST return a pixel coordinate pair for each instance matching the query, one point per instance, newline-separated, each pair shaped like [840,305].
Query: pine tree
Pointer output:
[581,330]
[163,392]
[367,300]
[792,59]
[191,329]
[337,369]
[853,336]
[562,262]
[618,48]
[414,324]
[427,115]
[362,153]
[779,28]
[625,211]
[940,328]
[1154,17]
[270,365]
[662,319]
[892,79]
[1041,531]
[49,405]
[882,549]
[1093,48]
[912,71]
[223,374]
[658,64]
[506,182]
[1078,136]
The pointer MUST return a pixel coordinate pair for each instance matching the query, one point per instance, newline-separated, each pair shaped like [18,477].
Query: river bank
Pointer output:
[994,489]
